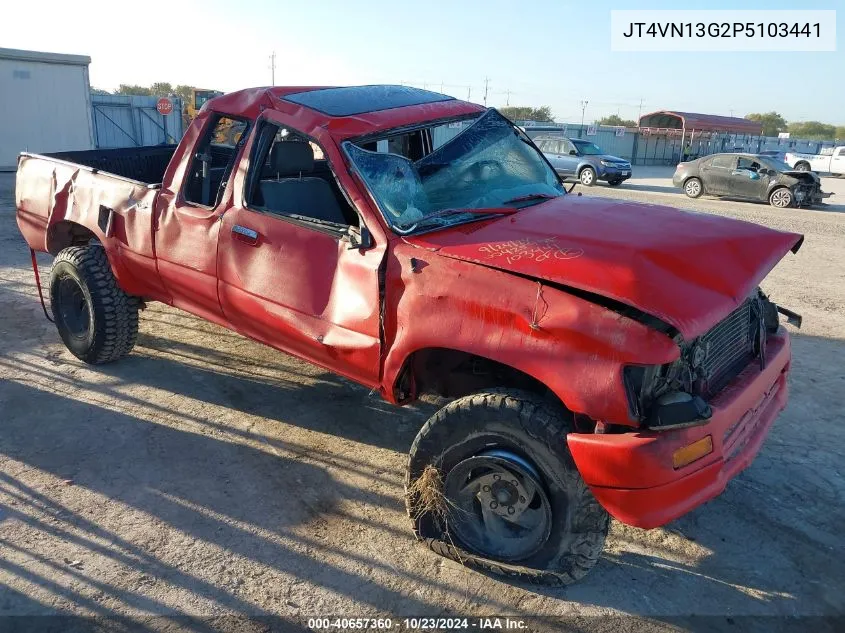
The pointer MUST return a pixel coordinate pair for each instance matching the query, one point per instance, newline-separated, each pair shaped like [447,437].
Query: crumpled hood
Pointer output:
[688,269]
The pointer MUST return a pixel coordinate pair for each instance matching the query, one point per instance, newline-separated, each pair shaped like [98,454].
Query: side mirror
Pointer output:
[359,238]
[573,152]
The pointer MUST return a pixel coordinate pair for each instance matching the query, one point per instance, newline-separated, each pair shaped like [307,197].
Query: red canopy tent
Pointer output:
[696,122]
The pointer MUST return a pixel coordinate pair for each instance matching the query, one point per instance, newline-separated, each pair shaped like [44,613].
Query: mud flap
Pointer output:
[38,285]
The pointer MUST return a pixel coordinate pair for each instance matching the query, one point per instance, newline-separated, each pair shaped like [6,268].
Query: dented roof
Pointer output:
[347,111]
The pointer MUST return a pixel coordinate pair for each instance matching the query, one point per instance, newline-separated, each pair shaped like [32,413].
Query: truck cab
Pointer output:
[832,162]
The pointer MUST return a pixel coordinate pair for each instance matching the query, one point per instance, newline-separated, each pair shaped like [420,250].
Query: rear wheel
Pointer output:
[802,166]
[490,483]
[587,176]
[97,321]
[781,198]
[693,187]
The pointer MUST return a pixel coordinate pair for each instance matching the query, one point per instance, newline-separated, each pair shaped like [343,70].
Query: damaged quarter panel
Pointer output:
[115,210]
[576,348]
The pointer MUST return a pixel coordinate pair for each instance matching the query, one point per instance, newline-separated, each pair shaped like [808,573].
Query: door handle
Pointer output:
[244,234]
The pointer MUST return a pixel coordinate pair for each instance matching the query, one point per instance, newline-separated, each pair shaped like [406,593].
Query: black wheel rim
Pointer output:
[498,507]
[73,307]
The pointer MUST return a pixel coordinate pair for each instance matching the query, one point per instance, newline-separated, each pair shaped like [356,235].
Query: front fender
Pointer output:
[574,347]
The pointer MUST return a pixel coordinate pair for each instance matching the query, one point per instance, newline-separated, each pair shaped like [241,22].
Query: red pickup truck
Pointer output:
[602,356]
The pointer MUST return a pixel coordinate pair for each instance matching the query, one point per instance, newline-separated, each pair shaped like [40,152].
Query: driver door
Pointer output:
[288,274]
[746,179]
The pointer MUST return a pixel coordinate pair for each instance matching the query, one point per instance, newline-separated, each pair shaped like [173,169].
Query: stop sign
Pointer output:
[164,106]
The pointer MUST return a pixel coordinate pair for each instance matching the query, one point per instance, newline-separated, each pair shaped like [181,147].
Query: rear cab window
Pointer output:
[213,160]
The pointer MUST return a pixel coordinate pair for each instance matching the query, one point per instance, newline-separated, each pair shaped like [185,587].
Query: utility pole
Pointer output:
[273,69]
[486,86]
[469,92]
[584,103]
[508,100]
[640,113]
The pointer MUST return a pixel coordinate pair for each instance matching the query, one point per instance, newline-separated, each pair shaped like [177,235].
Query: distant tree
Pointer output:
[184,92]
[840,132]
[812,130]
[616,121]
[129,89]
[99,91]
[773,123]
[161,89]
[527,113]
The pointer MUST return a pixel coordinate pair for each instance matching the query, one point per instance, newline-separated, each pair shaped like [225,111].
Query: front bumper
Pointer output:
[632,476]
[612,173]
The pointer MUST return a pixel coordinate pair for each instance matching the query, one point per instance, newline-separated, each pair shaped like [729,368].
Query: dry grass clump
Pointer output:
[425,494]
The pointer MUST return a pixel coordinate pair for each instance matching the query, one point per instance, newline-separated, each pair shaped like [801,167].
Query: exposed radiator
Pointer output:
[730,347]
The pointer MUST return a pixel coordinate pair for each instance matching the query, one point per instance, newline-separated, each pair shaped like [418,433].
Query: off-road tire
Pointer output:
[537,428]
[691,190]
[584,175]
[112,314]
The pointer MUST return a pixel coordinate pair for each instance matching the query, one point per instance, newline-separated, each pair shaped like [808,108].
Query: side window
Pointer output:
[723,162]
[566,146]
[290,176]
[747,163]
[543,144]
[213,160]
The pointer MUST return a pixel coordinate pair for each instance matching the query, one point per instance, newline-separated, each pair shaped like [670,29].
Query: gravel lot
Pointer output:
[206,475]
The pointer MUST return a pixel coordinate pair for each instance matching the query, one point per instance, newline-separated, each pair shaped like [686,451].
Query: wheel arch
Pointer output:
[65,233]
[453,373]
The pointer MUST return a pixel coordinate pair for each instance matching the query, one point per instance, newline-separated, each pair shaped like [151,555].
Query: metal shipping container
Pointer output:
[45,104]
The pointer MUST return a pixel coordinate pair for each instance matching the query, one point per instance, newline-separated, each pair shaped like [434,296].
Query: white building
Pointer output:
[45,104]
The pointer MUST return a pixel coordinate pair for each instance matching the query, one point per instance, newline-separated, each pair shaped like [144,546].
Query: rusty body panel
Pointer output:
[568,292]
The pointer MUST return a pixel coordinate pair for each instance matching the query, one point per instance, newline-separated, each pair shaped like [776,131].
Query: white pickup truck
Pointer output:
[832,163]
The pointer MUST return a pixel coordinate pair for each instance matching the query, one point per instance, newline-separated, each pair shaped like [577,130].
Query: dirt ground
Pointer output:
[207,475]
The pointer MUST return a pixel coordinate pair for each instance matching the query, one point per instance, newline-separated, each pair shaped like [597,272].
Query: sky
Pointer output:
[533,52]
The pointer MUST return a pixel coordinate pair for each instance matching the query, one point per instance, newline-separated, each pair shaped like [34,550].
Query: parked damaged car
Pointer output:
[601,357]
[749,176]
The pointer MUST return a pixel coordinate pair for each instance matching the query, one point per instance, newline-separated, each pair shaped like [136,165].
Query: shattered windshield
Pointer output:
[489,167]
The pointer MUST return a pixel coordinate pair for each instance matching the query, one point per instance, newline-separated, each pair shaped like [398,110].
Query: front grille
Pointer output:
[728,348]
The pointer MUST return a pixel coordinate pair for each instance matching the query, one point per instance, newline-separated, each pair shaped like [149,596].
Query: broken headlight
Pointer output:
[660,396]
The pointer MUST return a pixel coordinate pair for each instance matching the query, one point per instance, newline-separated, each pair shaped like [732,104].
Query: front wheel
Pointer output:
[587,177]
[97,321]
[781,198]
[802,166]
[490,483]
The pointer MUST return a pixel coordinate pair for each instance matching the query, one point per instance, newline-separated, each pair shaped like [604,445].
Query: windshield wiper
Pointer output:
[456,211]
[530,196]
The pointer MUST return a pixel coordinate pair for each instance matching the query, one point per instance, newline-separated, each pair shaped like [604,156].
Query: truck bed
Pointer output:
[141,164]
